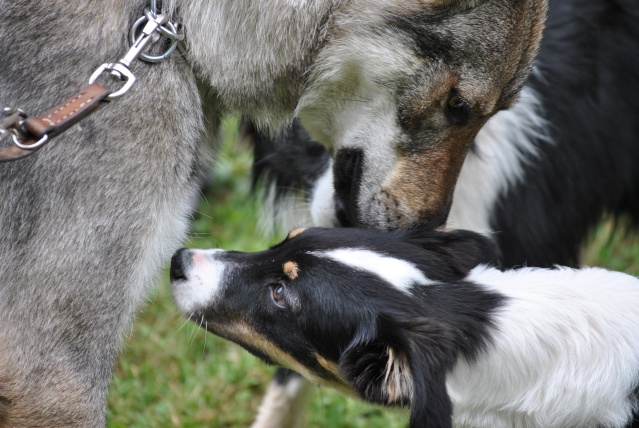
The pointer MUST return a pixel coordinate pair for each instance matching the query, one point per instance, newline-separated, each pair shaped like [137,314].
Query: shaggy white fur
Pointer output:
[564,351]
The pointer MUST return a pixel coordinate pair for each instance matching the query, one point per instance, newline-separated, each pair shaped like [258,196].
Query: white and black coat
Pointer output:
[421,319]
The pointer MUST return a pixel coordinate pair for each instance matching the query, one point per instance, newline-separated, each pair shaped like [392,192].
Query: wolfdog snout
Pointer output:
[347,172]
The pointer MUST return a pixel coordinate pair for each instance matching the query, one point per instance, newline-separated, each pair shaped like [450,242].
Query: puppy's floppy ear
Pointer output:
[405,363]
[469,249]
[431,356]
[462,250]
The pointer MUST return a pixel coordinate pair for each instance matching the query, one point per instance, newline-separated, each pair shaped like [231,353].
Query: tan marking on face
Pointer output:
[422,184]
[293,233]
[291,269]
[330,367]
[428,103]
[243,334]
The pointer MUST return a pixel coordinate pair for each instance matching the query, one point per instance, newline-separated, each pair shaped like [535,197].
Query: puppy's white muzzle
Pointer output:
[196,276]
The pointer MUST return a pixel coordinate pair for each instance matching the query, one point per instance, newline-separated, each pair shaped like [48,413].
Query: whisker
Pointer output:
[206,335]
[185,322]
[193,335]
[202,214]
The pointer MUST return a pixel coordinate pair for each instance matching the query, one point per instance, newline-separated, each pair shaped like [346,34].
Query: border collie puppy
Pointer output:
[419,318]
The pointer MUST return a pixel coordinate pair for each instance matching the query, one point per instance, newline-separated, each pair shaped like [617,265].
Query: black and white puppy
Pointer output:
[419,318]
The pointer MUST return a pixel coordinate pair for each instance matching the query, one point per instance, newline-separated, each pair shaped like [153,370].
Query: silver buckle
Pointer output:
[154,28]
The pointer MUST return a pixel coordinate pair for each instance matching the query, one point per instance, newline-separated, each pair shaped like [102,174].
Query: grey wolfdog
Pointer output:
[88,220]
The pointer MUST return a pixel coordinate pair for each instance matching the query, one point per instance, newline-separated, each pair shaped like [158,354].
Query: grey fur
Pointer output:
[87,221]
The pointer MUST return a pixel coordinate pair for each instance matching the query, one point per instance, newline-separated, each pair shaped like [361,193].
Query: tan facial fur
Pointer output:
[421,184]
[330,367]
[242,333]
[291,269]
[293,233]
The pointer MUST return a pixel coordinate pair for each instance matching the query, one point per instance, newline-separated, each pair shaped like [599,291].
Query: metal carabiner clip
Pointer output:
[168,30]
[120,70]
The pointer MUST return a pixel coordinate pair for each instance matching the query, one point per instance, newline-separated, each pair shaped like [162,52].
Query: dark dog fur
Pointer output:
[588,163]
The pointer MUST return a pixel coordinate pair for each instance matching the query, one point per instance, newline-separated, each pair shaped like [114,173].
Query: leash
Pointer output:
[30,133]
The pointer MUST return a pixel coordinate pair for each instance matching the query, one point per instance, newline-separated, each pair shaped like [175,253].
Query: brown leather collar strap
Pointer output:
[32,130]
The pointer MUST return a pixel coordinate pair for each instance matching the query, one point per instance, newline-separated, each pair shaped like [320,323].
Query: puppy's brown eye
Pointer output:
[278,294]
[457,108]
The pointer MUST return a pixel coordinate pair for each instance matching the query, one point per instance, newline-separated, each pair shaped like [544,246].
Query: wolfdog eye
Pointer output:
[457,108]
[278,294]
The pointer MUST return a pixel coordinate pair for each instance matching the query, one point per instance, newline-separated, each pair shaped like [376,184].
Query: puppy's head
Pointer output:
[400,90]
[336,305]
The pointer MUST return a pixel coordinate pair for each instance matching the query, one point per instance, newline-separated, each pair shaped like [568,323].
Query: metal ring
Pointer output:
[170,33]
[33,146]
[154,7]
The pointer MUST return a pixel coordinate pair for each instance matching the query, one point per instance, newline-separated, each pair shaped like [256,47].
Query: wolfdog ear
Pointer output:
[405,364]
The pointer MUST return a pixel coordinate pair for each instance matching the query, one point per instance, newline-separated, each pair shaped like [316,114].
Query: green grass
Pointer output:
[173,374]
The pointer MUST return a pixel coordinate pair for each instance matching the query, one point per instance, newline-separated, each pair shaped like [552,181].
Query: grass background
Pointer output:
[173,374]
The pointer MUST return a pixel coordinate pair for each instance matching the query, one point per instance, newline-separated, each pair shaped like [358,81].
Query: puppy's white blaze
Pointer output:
[564,349]
[502,147]
[399,273]
[204,276]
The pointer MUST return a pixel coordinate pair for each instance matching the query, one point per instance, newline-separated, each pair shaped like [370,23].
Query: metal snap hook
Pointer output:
[168,30]
[33,146]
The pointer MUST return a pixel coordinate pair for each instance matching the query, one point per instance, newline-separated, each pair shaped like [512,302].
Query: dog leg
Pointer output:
[284,402]
[88,221]
[28,399]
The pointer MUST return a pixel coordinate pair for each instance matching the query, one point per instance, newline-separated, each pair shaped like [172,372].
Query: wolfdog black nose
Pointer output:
[341,215]
[177,265]
[347,179]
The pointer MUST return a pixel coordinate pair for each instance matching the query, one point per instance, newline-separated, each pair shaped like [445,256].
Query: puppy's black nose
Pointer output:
[177,265]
